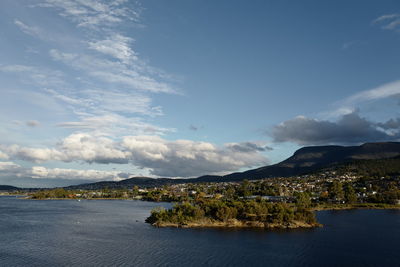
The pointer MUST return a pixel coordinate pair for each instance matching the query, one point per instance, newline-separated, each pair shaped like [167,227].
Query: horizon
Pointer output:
[79,182]
[107,90]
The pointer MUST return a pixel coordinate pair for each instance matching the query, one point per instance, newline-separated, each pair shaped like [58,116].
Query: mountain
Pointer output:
[310,159]
[305,160]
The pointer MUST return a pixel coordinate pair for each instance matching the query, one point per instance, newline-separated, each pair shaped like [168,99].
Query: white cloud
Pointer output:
[32,100]
[76,147]
[32,123]
[351,103]
[11,169]
[344,124]
[73,174]
[107,88]
[8,166]
[34,75]
[90,149]
[31,30]
[97,109]
[187,158]
[3,155]
[380,92]
[179,158]
[104,82]
[116,46]
[98,102]
[113,125]
[386,17]
[16,68]
[351,44]
[388,22]
[113,72]
[45,34]
[93,14]
[112,109]
[32,154]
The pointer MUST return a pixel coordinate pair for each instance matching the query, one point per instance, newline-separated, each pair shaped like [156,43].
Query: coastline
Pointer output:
[234,223]
[105,198]
[237,224]
[372,206]
[359,206]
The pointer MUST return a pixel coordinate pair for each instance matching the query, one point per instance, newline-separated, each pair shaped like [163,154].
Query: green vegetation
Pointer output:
[327,206]
[285,202]
[245,213]
[54,193]
[373,168]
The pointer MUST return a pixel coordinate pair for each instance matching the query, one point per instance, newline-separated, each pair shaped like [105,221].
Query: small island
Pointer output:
[257,213]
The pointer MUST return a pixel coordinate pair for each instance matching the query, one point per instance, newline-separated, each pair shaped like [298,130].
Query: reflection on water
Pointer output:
[113,233]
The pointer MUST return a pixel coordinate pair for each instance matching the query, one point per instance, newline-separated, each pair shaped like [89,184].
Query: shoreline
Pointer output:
[238,224]
[360,206]
[376,206]
[79,199]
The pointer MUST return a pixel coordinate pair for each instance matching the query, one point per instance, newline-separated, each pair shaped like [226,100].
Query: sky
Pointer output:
[106,90]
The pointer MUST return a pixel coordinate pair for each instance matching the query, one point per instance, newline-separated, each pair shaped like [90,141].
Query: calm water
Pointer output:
[113,233]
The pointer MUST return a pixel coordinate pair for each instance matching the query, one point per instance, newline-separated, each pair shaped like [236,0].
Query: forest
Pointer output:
[237,213]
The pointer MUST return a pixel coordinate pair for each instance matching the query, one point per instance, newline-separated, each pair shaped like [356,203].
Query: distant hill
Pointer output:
[144,182]
[8,188]
[305,160]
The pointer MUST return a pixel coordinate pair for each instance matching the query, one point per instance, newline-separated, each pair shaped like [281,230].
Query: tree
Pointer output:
[230,192]
[336,191]
[245,188]
[303,201]
[350,194]
[225,213]
[135,190]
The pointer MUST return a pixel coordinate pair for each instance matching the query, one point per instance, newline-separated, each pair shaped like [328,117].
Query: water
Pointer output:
[113,233]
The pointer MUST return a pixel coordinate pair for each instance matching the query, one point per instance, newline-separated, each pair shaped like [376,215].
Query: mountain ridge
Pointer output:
[304,160]
[308,159]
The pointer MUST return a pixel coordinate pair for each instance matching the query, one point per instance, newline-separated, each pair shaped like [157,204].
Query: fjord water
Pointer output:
[113,233]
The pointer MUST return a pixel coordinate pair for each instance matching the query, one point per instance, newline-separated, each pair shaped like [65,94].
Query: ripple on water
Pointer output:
[112,233]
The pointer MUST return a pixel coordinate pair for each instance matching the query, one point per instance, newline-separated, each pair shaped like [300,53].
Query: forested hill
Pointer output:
[310,159]
[370,168]
[384,156]
[8,188]
[145,182]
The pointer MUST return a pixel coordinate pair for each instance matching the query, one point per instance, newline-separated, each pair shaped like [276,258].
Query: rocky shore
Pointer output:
[238,224]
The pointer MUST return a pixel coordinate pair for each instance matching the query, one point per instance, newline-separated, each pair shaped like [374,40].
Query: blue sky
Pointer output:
[105,90]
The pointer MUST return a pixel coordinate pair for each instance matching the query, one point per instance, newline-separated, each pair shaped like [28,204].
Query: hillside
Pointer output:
[310,159]
[305,160]
[8,188]
[369,168]
[145,182]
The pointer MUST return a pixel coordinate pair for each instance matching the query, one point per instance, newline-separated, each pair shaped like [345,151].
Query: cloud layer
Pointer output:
[105,89]
[95,72]
[179,158]
[93,14]
[10,169]
[349,129]
[388,21]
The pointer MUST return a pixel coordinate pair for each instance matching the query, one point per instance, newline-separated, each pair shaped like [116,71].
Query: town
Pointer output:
[323,188]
